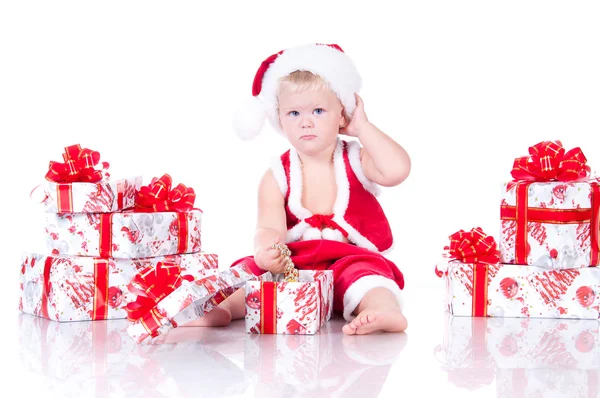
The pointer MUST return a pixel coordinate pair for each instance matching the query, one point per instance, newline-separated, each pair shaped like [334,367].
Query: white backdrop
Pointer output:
[464,86]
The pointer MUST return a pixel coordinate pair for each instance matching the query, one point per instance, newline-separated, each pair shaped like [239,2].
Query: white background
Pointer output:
[464,86]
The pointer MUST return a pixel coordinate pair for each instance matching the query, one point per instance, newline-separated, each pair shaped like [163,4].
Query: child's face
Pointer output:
[311,120]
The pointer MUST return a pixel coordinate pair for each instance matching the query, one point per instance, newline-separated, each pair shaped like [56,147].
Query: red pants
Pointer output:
[355,270]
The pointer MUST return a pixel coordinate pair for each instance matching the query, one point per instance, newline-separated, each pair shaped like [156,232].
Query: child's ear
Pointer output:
[343,121]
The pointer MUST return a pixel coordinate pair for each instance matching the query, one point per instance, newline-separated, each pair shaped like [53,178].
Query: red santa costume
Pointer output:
[316,240]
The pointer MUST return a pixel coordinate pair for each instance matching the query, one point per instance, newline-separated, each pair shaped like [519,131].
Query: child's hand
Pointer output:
[270,259]
[359,119]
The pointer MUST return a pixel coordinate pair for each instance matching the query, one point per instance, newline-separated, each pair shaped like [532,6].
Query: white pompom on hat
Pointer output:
[326,60]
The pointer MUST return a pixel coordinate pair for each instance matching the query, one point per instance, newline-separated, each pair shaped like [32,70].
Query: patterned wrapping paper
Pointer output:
[69,288]
[521,343]
[85,197]
[559,224]
[296,360]
[556,383]
[124,234]
[277,307]
[550,211]
[508,290]
[187,302]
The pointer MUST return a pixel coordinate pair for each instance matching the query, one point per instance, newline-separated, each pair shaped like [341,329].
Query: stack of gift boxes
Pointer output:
[106,239]
[545,266]
[116,249]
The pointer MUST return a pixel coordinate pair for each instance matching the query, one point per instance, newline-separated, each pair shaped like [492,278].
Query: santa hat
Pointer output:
[326,60]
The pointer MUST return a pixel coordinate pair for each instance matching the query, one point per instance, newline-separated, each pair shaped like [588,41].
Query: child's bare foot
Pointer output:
[377,320]
[218,316]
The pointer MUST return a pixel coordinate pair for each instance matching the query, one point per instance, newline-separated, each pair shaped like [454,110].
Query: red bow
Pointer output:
[80,166]
[473,247]
[151,285]
[548,161]
[322,221]
[158,196]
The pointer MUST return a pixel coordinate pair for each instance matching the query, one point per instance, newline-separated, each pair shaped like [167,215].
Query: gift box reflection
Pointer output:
[99,357]
[515,351]
[521,343]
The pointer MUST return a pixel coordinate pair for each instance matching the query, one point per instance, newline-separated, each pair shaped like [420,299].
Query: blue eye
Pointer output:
[294,113]
[318,111]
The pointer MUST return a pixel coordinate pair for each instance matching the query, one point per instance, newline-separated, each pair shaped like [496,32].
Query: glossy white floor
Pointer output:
[439,354]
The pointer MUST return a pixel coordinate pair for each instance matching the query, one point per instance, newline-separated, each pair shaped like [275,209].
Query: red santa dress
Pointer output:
[357,266]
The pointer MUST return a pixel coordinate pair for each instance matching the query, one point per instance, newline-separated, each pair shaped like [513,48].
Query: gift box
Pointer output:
[550,211]
[69,288]
[521,343]
[477,285]
[124,234]
[172,301]
[164,222]
[555,383]
[274,306]
[82,185]
[289,360]
[84,197]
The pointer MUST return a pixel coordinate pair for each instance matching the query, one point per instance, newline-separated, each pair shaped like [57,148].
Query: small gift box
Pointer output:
[70,288]
[274,306]
[168,302]
[478,285]
[550,211]
[163,222]
[82,185]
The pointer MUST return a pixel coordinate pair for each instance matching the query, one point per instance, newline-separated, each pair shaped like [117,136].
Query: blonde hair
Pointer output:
[300,81]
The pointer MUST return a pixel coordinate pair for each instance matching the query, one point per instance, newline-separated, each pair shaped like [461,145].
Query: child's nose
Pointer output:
[306,122]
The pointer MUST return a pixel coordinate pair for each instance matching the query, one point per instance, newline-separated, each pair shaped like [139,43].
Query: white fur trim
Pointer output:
[249,118]
[311,234]
[356,292]
[279,175]
[295,198]
[296,232]
[332,234]
[354,157]
[343,197]
[334,66]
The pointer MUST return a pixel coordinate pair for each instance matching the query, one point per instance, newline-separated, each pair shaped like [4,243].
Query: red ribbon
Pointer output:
[79,166]
[268,307]
[152,285]
[158,196]
[477,248]
[473,247]
[322,221]
[548,161]
[101,274]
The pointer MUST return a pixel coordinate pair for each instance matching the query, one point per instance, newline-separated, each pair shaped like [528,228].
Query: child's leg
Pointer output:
[367,292]
[377,311]
[234,307]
